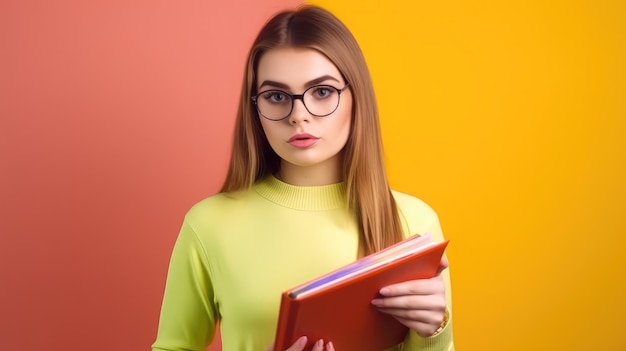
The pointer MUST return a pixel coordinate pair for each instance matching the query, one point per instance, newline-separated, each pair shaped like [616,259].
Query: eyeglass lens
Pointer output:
[319,100]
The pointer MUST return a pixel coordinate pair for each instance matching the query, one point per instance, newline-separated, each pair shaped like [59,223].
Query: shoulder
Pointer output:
[415,214]
[216,206]
[411,205]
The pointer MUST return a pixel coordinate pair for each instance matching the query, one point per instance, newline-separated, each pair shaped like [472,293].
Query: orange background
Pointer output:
[507,117]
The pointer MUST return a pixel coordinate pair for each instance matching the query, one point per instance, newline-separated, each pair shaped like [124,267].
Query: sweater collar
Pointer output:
[305,198]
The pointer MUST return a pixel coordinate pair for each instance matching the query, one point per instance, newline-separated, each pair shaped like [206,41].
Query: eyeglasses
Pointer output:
[319,100]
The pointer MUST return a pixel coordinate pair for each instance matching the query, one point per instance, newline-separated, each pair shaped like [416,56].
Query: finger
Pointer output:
[330,346]
[319,345]
[434,317]
[422,329]
[433,302]
[443,264]
[428,286]
[270,348]
[298,345]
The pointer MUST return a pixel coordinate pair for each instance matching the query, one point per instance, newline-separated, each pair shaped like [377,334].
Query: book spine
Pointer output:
[286,323]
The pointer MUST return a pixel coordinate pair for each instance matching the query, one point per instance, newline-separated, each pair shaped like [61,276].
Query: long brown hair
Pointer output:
[368,194]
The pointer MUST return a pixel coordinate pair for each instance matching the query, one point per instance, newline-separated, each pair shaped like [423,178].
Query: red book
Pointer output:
[337,306]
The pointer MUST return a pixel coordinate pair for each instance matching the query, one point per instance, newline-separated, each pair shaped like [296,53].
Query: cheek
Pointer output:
[345,125]
[266,131]
[341,132]
[270,129]
[345,132]
[267,128]
[263,126]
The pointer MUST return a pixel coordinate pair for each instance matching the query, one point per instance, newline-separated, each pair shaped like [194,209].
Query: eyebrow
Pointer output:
[309,83]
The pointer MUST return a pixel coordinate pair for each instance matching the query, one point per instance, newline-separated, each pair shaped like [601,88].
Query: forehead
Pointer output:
[295,67]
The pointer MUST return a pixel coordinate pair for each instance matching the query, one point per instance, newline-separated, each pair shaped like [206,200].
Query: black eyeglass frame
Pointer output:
[300,97]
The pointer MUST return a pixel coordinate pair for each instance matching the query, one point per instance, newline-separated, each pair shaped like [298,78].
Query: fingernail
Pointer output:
[330,346]
[320,343]
[377,302]
[302,341]
[384,291]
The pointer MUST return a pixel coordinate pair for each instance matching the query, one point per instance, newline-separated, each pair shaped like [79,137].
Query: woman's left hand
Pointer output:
[418,304]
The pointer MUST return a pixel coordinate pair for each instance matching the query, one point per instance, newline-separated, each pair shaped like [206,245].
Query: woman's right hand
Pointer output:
[301,343]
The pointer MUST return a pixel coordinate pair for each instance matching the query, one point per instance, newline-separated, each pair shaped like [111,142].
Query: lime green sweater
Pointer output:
[236,253]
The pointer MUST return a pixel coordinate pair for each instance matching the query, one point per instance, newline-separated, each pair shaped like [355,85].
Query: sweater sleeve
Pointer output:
[188,313]
[420,219]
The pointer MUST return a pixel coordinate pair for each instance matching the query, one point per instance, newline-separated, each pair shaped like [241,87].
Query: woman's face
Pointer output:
[303,140]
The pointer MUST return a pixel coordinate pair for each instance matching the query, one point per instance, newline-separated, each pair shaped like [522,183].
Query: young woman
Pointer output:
[306,193]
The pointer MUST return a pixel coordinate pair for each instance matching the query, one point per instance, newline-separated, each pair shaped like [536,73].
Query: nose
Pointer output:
[299,113]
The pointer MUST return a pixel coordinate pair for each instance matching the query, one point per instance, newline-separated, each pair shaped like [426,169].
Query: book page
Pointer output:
[366,264]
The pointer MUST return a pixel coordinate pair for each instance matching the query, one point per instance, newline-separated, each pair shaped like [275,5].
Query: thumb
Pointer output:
[443,264]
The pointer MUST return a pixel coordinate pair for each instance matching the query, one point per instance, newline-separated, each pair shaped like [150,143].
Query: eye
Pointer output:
[323,91]
[275,96]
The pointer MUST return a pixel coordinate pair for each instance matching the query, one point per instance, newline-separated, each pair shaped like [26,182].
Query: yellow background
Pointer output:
[509,119]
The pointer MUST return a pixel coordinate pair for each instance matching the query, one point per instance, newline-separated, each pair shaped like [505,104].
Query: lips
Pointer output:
[303,140]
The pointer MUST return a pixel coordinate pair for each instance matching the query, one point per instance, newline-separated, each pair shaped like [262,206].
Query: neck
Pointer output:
[328,172]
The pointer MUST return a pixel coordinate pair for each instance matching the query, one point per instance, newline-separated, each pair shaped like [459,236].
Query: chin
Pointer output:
[305,162]
[309,157]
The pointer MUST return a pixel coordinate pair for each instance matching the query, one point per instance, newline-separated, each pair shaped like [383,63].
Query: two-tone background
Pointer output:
[508,117]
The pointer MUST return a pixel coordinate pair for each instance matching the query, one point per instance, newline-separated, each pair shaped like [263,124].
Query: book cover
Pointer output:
[337,306]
